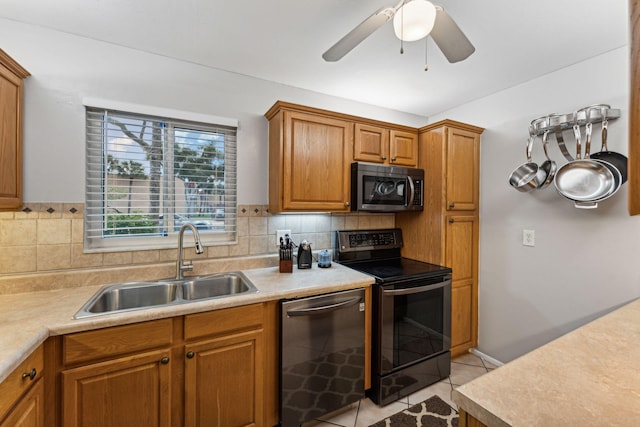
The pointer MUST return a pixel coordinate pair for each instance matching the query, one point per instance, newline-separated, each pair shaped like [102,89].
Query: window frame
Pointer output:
[95,201]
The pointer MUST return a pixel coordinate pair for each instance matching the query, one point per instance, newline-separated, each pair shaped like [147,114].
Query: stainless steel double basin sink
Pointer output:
[129,296]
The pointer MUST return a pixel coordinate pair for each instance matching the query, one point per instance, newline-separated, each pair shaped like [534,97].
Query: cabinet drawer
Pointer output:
[15,385]
[94,345]
[221,321]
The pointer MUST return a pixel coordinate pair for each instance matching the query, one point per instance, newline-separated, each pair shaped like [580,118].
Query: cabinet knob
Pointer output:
[452,205]
[347,204]
[384,157]
[164,360]
[451,220]
[393,159]
[31,375]
[190,355]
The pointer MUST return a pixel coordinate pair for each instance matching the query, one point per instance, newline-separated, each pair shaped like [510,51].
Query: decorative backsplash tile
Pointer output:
[48,237]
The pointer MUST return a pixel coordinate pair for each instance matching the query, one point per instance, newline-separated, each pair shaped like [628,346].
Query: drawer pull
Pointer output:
[451,220]
[452,205]
[31,375]
[190,355]
[164,360]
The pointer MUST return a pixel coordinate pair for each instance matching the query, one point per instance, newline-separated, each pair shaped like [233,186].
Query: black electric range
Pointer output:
[411,313]
[377,253]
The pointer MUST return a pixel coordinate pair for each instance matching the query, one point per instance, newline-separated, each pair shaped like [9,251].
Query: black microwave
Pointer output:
[382,188]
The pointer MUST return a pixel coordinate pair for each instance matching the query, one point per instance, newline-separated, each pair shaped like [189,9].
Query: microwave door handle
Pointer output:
[412,191]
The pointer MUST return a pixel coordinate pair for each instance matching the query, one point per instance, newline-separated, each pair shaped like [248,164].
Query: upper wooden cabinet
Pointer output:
[377,144]
[309,162]
[311,151]
[462,154]
[11,94]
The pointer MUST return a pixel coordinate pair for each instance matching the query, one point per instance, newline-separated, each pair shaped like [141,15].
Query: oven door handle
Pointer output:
[409,291]
[324,308]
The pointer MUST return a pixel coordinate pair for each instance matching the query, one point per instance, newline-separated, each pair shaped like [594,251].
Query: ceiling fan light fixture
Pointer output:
[414,20]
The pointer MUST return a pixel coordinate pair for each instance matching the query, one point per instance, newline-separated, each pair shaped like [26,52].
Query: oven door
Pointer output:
[414,322]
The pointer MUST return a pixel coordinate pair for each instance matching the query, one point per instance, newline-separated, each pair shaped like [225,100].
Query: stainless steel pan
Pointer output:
[619,161]
[585,181]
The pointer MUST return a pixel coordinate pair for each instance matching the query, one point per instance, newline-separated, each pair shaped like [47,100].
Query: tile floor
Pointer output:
[365,412]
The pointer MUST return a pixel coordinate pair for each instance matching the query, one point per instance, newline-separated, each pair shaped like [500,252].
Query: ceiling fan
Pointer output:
[412,20]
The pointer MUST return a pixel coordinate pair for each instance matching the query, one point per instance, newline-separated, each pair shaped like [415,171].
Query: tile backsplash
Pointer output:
[48,237]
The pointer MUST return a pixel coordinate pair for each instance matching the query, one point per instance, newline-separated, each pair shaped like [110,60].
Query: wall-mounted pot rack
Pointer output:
[597,114]
[578,179]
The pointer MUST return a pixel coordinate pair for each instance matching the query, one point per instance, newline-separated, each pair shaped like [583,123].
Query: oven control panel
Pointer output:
[362,240]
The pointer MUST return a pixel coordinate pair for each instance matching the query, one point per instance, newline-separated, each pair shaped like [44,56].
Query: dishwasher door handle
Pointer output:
[323,308]
[416,290]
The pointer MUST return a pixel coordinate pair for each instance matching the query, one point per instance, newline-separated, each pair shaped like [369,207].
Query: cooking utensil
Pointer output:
[584,181]
[619,161]
[549,167]
[527,176]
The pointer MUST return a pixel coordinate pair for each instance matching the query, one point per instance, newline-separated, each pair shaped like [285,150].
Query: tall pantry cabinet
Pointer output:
[446,232]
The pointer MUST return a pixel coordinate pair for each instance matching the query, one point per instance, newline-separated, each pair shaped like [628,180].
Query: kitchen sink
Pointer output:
[216,286]
[129,296]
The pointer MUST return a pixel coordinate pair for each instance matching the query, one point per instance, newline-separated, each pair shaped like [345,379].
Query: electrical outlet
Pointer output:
[528,237]
[282,233]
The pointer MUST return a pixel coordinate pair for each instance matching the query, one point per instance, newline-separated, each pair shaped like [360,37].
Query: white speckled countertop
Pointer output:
[588,377]
[28,319]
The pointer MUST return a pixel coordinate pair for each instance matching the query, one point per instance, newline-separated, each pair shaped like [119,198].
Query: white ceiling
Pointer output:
[283,40]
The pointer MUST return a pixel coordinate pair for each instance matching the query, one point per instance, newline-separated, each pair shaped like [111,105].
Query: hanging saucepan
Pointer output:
[527,176]
[616,159]
[584,181]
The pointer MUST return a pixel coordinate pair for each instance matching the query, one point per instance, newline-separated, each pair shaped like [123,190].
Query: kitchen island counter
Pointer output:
[28,319]
[588,377]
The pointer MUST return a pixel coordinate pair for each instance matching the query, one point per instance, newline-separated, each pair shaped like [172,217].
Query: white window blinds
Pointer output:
[148,175]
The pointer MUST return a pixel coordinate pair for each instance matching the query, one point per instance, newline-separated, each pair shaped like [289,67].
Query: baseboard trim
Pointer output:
[486,357]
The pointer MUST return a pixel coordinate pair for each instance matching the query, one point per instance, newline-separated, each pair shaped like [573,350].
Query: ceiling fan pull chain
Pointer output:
[426,56]
[402,27]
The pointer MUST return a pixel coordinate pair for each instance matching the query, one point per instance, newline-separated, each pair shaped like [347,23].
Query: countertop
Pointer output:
[588,377]
[28,319]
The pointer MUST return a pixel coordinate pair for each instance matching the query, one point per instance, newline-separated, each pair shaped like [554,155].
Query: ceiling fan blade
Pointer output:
[450,38]
[358,34]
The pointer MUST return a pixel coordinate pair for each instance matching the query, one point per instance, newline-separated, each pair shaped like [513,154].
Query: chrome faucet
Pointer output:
[182,265]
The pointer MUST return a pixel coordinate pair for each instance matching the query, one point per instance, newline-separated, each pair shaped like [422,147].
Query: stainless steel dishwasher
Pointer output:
[322,355]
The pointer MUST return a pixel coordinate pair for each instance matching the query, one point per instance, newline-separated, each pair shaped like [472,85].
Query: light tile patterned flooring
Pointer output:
[365,412]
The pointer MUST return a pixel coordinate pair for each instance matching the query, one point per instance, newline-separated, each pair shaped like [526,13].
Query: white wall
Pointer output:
[585,262]
[67,68]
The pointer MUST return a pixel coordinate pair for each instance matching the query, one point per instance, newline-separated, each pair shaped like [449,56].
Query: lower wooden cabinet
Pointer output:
[223,381]
[22,394]
[128,391]
[206,369]
[29,411]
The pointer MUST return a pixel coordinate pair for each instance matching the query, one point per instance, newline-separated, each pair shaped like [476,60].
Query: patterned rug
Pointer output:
[433,412]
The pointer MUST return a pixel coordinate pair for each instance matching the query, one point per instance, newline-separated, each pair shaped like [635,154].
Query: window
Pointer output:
[149,175]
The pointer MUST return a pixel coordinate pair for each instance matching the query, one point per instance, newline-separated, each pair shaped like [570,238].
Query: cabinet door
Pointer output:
[316,163]
[463,160]
[130,391]
[462,256]
[29,412]
[224,381]
[10,139]
[403,148]
[370,144]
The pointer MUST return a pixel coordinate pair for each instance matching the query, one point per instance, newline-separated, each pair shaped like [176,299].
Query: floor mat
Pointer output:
[433,412]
